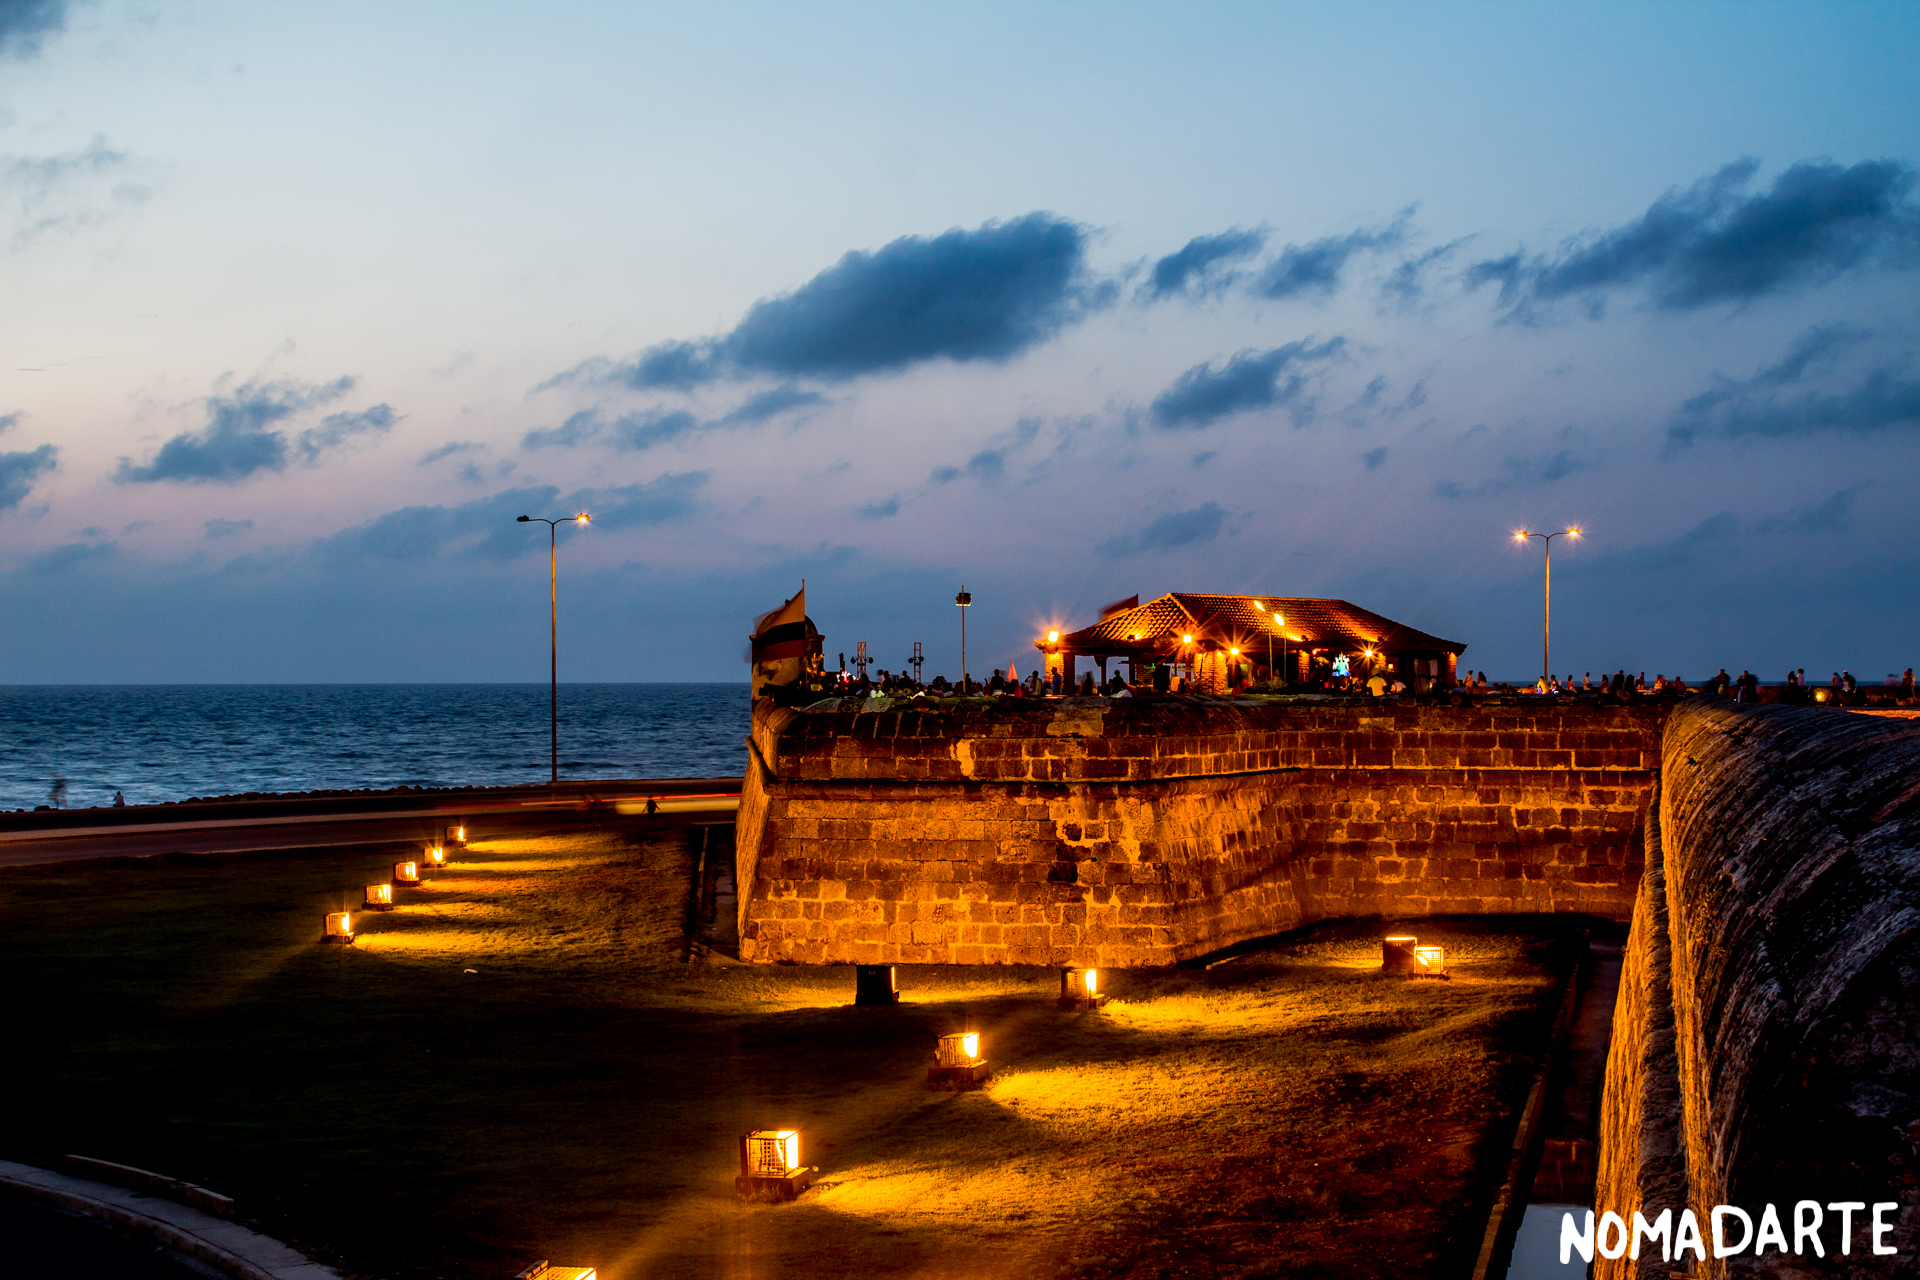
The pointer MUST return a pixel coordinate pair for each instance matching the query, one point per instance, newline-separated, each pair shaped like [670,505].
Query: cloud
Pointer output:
[1374,457]
[1316,267]
[73,191]
[226,528]
[413,533]
[988,294]
[1768,404]
[1406,284]
[574,432]
[8,421]
[990,464]
[885,510]
[771,403]
[24,24]
[1196,269]
[1835,515]
[62,558]
[337,428]
[19,471]
[449,449]
[645,430]
[659,501]
[1169,532]
[243,434]
[1718,242]
[1516,472]
[650,427]
[1251,380]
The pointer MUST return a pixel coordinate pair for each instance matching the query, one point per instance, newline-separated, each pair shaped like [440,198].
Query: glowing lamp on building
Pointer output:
[544,1270]
[1396,953]
[957,1063]
[379,897]
[1053,637]
[1080,989]
[406,873]
[338,928]
[874,984]
[770,1167]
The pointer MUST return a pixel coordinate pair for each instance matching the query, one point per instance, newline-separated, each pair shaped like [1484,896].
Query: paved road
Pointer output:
[48,1244]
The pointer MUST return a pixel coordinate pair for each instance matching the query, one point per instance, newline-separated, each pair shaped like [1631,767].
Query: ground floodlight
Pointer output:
[874,984]
[1080,989]
[1396,954]
[544,1270]
[957,1062]
[406,873]
[1430,960]
[436,857]
[770,1167]
[456,836]
[379,898]
[339,928]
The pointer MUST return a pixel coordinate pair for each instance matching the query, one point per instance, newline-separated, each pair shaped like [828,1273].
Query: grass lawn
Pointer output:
[578,1097]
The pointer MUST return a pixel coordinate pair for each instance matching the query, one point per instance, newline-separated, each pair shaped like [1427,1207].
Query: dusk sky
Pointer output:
[305,303]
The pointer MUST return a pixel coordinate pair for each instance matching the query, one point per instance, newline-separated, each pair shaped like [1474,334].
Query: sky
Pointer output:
[305,304]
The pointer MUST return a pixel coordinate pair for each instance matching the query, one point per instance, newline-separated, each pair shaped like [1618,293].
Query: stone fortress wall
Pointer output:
[1149,831]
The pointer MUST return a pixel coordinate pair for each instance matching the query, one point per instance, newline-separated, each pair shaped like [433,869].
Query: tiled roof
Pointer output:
[1330,624]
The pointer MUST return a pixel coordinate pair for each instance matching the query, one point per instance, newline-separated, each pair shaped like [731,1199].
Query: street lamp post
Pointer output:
[553,588]
[963,599]
[1546,623]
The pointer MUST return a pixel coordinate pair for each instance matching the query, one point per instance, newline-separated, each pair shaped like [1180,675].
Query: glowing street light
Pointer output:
[1546,625]
[770,1167]
[963,598]
[553,584]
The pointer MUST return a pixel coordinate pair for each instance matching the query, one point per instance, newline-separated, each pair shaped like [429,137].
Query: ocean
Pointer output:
[155,743]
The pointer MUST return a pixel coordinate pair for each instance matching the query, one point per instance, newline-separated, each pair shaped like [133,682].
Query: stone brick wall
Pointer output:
[1148,831]
[1766,1044]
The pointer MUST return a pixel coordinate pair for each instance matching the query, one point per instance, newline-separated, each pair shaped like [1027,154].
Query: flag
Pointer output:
[1120,606]
[782,633]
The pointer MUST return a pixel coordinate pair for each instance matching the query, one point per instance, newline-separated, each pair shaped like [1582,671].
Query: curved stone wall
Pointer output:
[1766,1044]
[1148,831]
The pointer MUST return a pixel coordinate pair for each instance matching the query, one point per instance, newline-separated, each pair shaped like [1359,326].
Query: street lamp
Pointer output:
[1546,624]
[1279,621]
[963,599]
[553,585]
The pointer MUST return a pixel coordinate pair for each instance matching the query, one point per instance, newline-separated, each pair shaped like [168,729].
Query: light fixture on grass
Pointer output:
[957,1062]
[1080,989]
[379,898]
[544,1270]
[1396,953]
[874,984]
[770,1167]
[436,857]
[406,873]
[457,837]
[1431,961]
[339,928]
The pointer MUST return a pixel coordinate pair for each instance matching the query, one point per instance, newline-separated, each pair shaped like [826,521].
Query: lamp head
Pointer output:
[582,518]
[1573,532]
[1053,637]
[523,520]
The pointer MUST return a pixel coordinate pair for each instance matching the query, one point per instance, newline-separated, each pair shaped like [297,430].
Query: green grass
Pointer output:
[578,1097]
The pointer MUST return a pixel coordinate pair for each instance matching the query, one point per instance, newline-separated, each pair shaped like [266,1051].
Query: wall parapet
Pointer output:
[1151,830]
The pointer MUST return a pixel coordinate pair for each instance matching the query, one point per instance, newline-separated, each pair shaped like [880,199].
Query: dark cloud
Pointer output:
[771,403]
[1203,458]
[449,449]
[1516,473]
[19,471]
[987,294]
[1169,532]
[226,528]
[879,510]
[1835,515]
[414,533]
[990,464]
[1316,267]
[1251,380]
[59,559]
[243,434]
[24,24]
[8,421]
[337,429]
[1775,402]
[645,430]
[1406,284]
[667,498]
[1374,457]
[1196,270]
[574,432]
[1718,242]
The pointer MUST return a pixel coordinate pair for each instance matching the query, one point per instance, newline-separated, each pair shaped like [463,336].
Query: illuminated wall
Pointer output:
[1138,832]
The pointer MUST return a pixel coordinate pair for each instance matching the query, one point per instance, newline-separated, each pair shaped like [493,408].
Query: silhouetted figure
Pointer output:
[119,801]
[1086,685]
[57,797]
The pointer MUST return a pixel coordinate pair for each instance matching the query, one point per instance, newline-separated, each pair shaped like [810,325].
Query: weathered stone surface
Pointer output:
[1096,832]
[1780,926]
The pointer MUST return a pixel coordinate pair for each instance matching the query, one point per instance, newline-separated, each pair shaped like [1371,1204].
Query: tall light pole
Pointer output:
[963,599]
[1273,672]
[553,587]
[1546,625]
